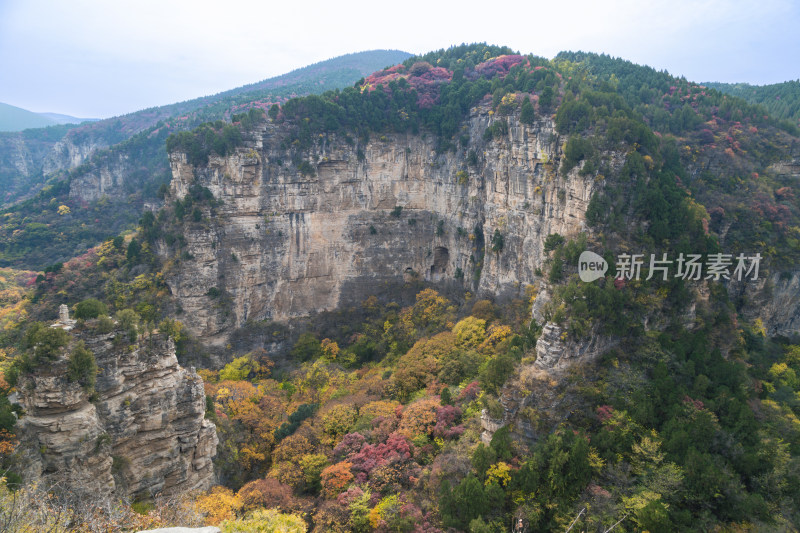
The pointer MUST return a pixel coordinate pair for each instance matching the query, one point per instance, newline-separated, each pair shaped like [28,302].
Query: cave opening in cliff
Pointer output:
[441,258]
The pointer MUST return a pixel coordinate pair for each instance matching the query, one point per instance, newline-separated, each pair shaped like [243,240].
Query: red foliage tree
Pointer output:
[269,493]
[336,478]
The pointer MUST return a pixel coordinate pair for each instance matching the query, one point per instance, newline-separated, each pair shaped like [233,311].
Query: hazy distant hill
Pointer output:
[13,118]
[59,118]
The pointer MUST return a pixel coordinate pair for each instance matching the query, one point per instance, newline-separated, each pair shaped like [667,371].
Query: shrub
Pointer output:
[105,325]
[497,242]
[295,419]
[419,418]
[527,114]
[470,332]
[306,348]
[497,371]
[82,367]
[269,493]
[306,169]
[576,149]
[90,308]
[45,342]
[553,241]
[312,465]
[339,420]
[218,505]
[238,369]
[336,478]
[415,370]
[265,520]
[134,249]
[129,321]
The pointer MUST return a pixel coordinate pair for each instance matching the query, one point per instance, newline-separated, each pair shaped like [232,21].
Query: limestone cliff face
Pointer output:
[144,434]
[27,161]
[106,179]
[775,299]
[67,154]
[20,166]
[285,244]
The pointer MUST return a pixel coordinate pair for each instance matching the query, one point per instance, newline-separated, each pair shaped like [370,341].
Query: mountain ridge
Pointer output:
[24,167]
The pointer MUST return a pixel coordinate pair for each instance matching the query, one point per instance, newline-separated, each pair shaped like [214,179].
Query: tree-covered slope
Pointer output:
[782,100]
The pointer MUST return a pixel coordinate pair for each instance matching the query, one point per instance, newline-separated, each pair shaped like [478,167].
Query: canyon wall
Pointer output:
[284,243]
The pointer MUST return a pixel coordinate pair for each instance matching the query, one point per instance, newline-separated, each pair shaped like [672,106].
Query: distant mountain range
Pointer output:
[13,118]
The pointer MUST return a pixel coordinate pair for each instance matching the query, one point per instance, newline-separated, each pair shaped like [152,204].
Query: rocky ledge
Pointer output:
[141,433]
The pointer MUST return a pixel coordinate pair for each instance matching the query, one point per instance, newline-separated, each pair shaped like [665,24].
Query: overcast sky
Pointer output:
[99,58]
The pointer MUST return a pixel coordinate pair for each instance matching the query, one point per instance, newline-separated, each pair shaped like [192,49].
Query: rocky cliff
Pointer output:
[141,434]
[28,159]
[359,218]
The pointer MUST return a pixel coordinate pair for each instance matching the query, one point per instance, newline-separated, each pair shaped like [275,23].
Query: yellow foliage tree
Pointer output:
[419,418]
[497,334]
[330,349]
[499,473]
[338,420]
[218,504]
[266,521]
[384,408]
[470,332]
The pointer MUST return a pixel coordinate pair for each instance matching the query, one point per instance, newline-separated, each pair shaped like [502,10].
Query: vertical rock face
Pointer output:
[775,299]
[287,244]
[554,351]
[25,161]
[67,154]
[106,180]
[144,434]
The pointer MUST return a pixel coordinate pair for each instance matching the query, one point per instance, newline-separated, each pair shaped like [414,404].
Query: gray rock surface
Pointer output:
[285,244]
[145,434]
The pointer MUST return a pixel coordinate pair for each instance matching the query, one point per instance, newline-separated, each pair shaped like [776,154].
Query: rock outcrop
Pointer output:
[533,400]
[554,350]
[107,179]
[774,299]
[143,432]
[287,243]
[67,154]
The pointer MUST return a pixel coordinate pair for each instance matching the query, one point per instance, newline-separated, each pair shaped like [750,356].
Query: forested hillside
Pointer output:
[782,100]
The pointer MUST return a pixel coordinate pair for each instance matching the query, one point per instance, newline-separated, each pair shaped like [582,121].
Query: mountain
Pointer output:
[384,287]
[14,118]
[58,118]
[123,160]
[782,100]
